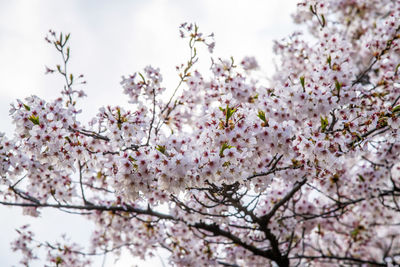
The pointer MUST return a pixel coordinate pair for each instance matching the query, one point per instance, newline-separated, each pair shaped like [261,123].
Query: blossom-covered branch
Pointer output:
[225,169]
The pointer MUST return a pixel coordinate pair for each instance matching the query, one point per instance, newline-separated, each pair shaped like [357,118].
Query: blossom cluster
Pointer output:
[227,169]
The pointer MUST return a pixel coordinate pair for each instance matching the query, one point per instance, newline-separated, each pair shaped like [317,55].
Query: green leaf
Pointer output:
[226,164]
[302,82]
[338,85]
[329,61]
[34,119]
[354,233]
[162,149]
[27,107]
[397,69]
[59,260]
[224,146]
[261,115]
[141,76]
[361,178]
[119,119]
[229,112]
[323,21]
[324,123]
[233,62]
[61,38]
[396,109]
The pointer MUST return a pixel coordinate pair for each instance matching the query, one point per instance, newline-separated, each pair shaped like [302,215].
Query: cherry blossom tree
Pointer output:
[227,169]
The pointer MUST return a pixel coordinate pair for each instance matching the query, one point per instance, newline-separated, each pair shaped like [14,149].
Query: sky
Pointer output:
[110,39]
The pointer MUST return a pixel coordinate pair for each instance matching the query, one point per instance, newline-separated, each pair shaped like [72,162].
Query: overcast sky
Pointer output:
[110,39]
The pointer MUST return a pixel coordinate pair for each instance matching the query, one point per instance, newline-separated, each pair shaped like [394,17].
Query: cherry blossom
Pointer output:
[226,169]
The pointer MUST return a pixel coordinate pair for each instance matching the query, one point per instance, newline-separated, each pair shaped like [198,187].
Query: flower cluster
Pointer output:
[227,169]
